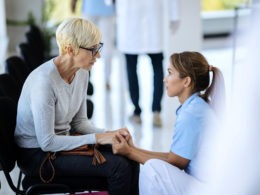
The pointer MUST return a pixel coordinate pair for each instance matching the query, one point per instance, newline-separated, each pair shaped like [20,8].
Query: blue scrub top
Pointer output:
[97,8]
[192,119]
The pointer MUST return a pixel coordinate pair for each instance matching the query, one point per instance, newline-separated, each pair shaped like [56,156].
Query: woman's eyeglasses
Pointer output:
[94,50]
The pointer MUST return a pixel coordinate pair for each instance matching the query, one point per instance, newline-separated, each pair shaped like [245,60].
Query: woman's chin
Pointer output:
[169,94]
[89,67]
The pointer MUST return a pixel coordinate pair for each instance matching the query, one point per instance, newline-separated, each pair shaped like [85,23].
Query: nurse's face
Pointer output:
[174,84]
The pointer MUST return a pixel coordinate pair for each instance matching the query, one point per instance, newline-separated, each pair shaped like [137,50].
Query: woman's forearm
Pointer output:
[142,156]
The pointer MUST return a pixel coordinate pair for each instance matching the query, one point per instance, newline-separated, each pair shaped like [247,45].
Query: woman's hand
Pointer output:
[120,145]
[107,138]
[127,136]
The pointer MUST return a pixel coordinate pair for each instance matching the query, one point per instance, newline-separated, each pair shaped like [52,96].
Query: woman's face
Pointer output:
[174,84]
[87,57]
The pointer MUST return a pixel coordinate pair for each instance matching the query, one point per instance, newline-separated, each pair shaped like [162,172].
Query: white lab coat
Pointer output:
[140,24]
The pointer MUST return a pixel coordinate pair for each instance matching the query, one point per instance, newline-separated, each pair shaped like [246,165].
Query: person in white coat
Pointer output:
[140,31]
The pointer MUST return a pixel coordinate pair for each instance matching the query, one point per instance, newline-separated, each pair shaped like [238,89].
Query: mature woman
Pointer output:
[188,79]
[53,103]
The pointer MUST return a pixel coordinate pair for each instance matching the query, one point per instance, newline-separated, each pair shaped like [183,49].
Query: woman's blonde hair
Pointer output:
[77,32]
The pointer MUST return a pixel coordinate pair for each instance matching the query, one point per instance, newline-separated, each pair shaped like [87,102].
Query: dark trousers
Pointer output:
[157,63]
[122,174]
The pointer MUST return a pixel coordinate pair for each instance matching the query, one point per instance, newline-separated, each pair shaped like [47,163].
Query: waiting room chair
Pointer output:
[35,39]
[9,88]
[30,56]
[8,157]
[16,67]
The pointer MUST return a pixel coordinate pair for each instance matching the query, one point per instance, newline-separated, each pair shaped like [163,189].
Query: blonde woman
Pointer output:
[53,103]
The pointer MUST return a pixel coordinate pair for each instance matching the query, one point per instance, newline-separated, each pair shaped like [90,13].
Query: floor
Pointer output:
[113,108]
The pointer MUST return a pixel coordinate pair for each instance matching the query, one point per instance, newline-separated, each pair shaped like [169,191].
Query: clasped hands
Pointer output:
[122,144]
[120,139]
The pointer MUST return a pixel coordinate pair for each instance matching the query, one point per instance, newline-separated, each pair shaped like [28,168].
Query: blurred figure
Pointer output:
[171,172]
[140,31]
[102,13]
[233,165]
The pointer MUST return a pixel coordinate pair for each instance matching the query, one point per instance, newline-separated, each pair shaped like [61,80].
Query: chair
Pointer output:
[17,68]
[8,157]
[31,57]
[8,87]
[90,108]
[35,38]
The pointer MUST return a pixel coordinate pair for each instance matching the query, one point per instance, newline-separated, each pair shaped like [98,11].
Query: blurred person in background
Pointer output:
[102,13]
[141,31]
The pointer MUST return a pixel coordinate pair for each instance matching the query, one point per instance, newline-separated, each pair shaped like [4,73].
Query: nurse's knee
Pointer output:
[152,164]
[150,167]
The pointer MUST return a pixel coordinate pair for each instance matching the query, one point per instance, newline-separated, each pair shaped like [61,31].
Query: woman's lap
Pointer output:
[120,172]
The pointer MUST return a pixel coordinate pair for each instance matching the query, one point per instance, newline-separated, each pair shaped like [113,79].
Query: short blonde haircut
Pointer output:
[76,32]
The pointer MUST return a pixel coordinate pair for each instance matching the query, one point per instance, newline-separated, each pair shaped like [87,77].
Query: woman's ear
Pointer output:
[70,50]
[187,81]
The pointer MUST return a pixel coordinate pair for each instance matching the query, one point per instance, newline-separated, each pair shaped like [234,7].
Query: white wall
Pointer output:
[18,10]
[189,34]
[3,35]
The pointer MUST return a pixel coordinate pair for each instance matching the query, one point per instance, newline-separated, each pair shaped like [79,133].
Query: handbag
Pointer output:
[85,150]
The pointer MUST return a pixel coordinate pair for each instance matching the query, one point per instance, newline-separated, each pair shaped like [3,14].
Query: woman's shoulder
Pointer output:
[197,108]
[44,69]
[42,74]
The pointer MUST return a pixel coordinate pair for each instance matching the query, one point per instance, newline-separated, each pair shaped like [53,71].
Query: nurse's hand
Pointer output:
[120,145]
[107,137]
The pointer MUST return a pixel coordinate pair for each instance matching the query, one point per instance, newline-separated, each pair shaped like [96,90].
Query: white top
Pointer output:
[49,107]
[140,24]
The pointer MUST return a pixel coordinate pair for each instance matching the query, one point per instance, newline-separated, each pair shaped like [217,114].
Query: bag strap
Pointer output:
[98,158]
[49,158]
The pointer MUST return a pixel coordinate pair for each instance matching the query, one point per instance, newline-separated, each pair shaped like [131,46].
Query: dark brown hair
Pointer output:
[195,66]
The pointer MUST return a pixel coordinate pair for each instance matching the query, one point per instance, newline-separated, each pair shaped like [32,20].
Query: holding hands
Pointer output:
[120,139]
[107,137]
[122,145]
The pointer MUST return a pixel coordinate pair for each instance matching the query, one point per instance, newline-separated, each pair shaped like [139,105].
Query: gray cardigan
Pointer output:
[49,107]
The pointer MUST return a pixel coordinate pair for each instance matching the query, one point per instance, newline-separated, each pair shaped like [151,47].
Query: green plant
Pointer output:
[48,30]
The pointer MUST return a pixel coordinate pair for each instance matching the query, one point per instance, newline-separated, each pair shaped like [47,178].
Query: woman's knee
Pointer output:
[120,167]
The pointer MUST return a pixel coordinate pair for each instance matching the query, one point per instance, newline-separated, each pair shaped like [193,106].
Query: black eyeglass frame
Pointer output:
[94,50]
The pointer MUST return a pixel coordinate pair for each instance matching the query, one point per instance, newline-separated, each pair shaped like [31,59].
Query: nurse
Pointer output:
[171,172]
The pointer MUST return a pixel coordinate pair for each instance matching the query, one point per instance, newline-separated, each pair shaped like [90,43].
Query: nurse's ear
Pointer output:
[187,82]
